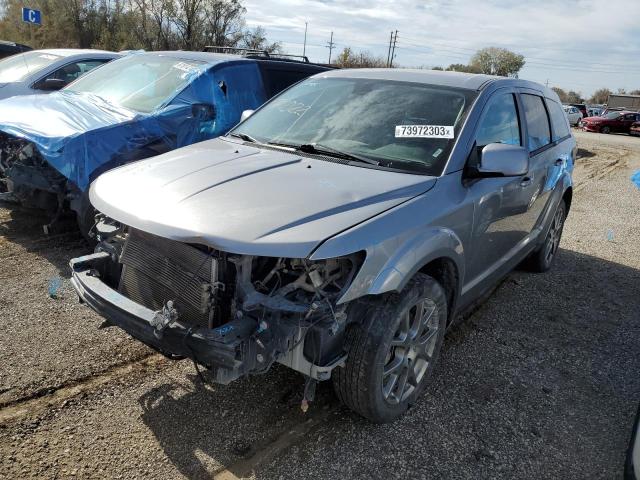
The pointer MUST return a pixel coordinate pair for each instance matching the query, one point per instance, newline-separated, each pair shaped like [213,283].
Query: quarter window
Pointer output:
[500,122]
[559,120]
[539,131]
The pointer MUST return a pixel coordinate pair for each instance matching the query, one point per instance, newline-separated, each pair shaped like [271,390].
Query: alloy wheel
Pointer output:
[553,239]
[411,350]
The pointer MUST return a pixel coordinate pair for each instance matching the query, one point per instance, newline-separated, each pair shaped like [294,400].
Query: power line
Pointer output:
[393,50]
[330,46]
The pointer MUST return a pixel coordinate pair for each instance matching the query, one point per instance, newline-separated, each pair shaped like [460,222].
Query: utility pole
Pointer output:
[393,49]
[389,51]
[330,46]
[304,48]
[547,83]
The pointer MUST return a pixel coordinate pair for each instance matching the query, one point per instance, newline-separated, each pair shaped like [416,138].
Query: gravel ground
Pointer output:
[535,384]
[47,342]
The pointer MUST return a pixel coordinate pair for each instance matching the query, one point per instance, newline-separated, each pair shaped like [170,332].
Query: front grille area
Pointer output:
[156,270]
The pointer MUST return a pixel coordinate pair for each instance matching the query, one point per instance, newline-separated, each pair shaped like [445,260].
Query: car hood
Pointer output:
[246,200]
[48,119]
[83,135]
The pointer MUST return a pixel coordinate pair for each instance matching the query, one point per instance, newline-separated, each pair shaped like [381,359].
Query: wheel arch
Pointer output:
[445,271]
[567,196]
[438,252]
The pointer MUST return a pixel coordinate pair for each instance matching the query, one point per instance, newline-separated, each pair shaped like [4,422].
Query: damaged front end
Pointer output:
[234,314]
[26,177]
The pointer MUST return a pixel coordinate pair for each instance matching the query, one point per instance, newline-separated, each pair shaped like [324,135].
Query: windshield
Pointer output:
[18,67]
[612,115]
[138,82]
[409,126]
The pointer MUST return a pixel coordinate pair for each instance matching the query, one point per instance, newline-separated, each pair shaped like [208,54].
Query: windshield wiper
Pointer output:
[244,136]
[332,152]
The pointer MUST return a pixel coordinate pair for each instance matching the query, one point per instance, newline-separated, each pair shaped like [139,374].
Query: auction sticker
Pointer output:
[424,131]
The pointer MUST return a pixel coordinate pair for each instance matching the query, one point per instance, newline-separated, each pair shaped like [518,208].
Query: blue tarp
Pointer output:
[81,135]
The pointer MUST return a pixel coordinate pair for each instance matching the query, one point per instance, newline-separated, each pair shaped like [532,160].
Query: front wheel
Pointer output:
[392,354]
[541,259]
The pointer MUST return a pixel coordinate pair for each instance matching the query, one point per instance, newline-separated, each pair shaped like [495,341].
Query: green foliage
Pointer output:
[497,61]
[459,67]
[133,24]
[349,59]
[600,96]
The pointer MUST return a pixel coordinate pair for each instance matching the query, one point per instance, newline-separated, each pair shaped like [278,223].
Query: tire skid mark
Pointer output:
[41,400]
[272,447]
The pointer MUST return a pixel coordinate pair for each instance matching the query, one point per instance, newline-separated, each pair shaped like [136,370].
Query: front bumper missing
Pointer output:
[226,350]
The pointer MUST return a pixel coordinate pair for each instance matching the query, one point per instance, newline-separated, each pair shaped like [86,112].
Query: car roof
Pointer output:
[68,52]
[207,57]
[470,81]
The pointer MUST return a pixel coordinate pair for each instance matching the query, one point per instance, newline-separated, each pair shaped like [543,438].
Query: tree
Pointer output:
[349,59]
[574,97]
[497,61]
[562,95]
[634,92]
[600,96]
[257,40]
[459,67]
[132,24]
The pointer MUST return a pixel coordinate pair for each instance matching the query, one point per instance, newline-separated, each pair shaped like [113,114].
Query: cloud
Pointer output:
[575,44]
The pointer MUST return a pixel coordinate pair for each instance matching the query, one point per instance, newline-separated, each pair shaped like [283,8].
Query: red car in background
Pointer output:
[611,122]
[635,129]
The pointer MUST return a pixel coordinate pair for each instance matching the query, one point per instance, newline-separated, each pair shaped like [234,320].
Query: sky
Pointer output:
[579,45]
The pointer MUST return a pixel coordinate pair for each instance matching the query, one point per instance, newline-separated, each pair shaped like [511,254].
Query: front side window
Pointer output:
[499,123]
[559,120]
[72,71]
[139,82]
[404,125]
[18,67]
[539,131]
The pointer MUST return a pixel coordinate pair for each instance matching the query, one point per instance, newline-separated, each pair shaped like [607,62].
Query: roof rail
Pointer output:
[255,53]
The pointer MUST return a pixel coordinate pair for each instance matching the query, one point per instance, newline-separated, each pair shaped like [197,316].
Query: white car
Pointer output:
[573,114]
[44,71]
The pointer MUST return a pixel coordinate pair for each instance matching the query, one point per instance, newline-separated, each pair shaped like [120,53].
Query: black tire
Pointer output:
[541,259]
[605,130]
[86,222]
[377,344]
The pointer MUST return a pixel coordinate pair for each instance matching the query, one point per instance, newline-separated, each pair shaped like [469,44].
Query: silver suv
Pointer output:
[338,230]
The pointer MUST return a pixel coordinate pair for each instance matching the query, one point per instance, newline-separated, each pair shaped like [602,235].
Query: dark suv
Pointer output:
[339,230]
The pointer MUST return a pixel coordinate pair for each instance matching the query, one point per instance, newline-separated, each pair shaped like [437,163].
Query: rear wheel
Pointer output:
[392,355]
[605,129]
[541,259]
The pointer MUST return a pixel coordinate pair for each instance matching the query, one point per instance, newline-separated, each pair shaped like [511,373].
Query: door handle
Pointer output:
[526,181]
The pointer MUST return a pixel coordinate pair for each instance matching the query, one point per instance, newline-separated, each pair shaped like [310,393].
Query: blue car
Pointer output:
[53,146]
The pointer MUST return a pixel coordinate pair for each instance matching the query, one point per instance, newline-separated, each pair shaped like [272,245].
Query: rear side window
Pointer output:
[558,120]
[278,79]
[500,122]
[538,126]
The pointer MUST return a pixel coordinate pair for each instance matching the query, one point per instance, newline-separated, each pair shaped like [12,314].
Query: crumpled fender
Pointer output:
[414,254]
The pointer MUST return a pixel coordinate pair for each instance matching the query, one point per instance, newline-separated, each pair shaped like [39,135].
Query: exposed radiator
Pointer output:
[156,270]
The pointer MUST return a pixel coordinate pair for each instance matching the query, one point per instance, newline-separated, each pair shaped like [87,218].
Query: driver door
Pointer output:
[500,219]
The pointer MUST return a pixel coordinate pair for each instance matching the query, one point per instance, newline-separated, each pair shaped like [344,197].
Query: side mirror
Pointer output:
[203,111]
[502,160]
[246,114]
[50,84]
